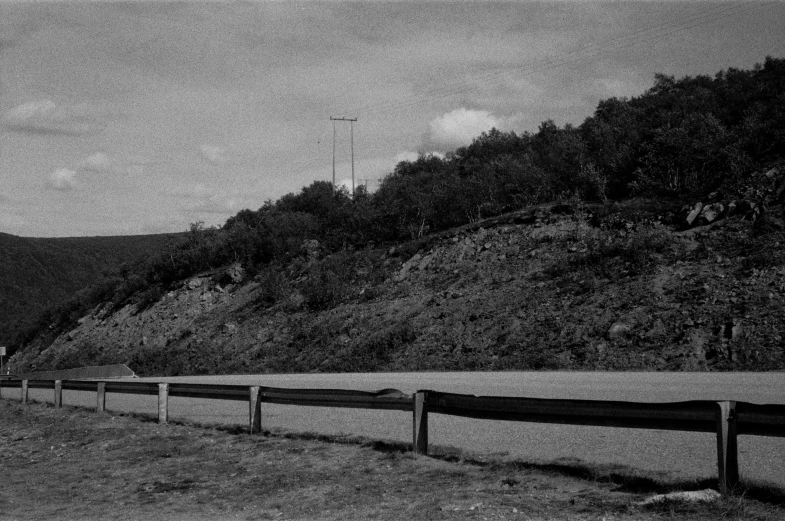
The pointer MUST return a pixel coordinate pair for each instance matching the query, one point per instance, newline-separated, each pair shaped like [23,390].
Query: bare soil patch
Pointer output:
[71,463]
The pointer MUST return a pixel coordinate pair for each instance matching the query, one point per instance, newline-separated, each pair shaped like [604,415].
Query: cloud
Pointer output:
[44,117]
[32,110]
[98,162]
[458,128]
[63,179]
[213,154]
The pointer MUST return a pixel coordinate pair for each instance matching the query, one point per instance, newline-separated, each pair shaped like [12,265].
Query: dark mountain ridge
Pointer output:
[38,273]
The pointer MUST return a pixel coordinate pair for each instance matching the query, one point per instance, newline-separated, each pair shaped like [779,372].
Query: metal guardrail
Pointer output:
[697,416]
[97,372]
[760,420]
[727,419]
[387,399]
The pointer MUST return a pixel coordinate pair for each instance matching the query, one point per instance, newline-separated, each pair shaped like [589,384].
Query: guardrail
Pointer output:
[95,372]
[727,419]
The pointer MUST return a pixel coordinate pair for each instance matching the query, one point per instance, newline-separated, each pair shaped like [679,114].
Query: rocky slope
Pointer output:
[563,286]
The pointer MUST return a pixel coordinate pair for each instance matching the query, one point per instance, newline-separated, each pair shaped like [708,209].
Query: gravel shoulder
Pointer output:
[72,463]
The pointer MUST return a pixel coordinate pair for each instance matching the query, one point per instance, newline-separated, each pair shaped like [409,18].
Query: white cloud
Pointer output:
[44,117]
[213,154]
[98,162]
[459,127]
[22,114]
[63,179]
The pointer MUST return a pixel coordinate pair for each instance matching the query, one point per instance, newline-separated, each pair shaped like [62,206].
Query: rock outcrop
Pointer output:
[584,287]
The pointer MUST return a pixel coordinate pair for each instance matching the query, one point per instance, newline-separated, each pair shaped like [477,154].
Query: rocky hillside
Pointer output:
[638,285]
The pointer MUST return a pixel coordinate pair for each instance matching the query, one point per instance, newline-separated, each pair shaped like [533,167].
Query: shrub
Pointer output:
[273,286]
[328,284]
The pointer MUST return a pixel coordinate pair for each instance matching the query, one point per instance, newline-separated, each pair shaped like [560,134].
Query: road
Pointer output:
[678,454]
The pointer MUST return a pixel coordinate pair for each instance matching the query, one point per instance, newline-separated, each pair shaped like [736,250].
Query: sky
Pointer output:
[138,117]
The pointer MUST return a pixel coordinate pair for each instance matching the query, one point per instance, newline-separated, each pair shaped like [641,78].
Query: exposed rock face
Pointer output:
[762,197]
[531,290]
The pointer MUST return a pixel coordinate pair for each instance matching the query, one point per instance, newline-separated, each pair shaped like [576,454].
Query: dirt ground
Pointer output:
[71,463]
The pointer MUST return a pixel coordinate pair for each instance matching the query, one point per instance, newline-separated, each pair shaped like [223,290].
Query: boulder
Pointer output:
[619,330]
[711,213]
[234,274]
[689,213]
[692,496]
[229,328]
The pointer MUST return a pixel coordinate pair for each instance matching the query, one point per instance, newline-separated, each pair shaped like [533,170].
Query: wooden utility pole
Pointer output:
[351,127]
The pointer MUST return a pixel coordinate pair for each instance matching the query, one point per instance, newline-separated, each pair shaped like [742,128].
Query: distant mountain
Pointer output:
[36,273]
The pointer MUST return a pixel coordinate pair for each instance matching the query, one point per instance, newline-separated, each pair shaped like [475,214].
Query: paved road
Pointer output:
[675,453]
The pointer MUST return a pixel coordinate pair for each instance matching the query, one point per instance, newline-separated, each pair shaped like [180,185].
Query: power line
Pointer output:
[560,60]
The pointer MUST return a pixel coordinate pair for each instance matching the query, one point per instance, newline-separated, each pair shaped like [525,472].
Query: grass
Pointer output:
[207,471]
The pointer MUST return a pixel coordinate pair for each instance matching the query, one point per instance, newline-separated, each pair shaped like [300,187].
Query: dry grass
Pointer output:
[71,463]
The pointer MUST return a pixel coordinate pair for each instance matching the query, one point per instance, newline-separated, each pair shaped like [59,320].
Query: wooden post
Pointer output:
[255,409]
[25,393]
[163,403]
[420,423]
[100,402]
[727,448]
[58,393]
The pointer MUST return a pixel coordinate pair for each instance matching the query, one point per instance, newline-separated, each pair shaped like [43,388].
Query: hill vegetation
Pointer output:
[621,176]
[43,277]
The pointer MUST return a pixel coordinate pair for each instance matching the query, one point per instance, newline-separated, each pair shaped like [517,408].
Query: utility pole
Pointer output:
[351,127]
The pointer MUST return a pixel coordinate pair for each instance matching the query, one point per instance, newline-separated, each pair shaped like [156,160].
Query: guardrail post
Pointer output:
[420,423]
[58,393]
[25,393]
[163,403]
[255,409]
[100,399]
[727,448]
